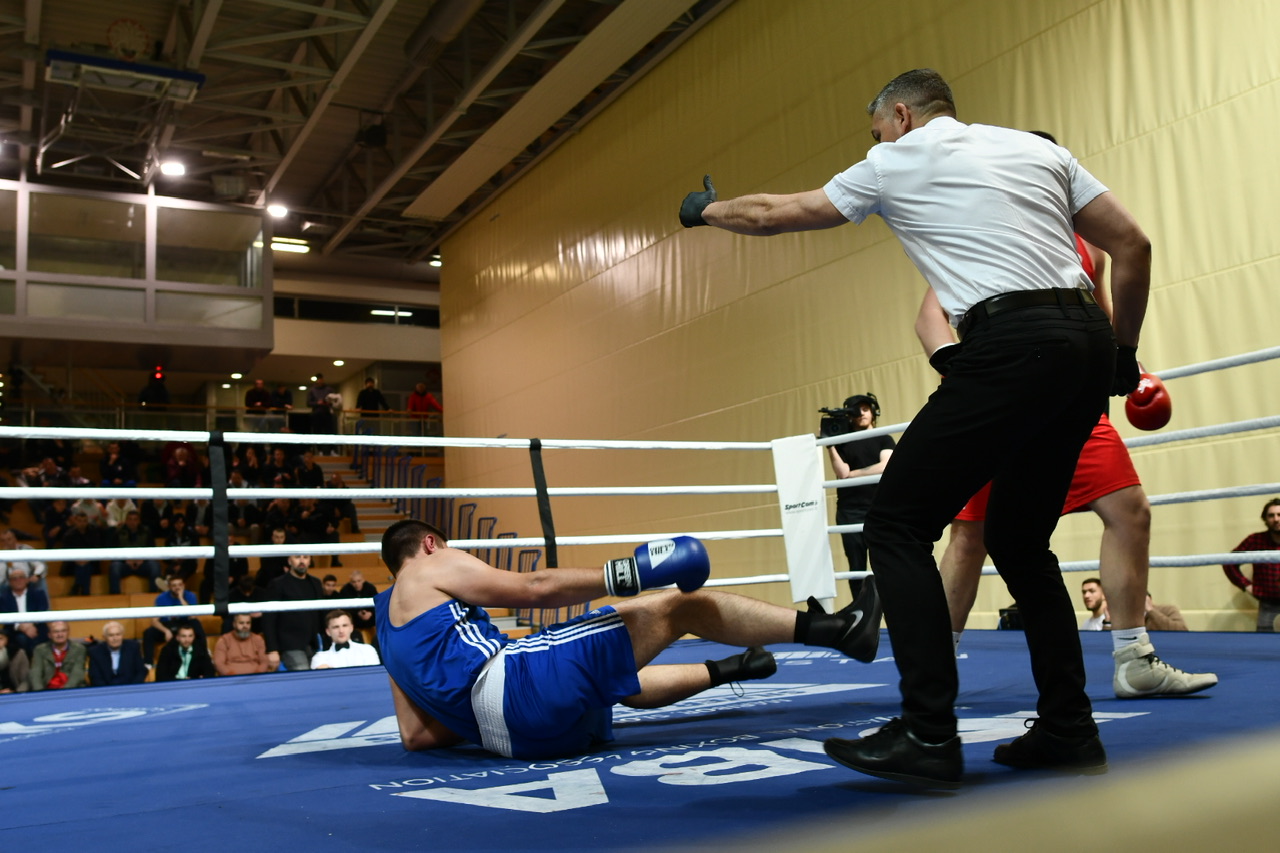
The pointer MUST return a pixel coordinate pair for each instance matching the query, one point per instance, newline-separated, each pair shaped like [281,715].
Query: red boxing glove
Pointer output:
[1149,406]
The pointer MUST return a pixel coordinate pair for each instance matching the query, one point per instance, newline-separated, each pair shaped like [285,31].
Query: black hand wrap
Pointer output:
[694,203]
[941,358]
[621,577]
[1127,371]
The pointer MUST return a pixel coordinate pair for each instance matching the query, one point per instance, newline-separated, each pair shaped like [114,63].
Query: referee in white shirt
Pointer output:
[343,651]
[987,215]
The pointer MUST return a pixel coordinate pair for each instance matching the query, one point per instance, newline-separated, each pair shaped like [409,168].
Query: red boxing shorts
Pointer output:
[1104,467]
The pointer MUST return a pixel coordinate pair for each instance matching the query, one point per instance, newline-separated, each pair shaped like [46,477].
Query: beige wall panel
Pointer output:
[574,305]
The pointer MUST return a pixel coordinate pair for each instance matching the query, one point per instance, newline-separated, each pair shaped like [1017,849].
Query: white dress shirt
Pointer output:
[980,210]
[357,654]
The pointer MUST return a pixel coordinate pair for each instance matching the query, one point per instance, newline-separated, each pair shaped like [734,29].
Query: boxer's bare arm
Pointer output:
[446,573]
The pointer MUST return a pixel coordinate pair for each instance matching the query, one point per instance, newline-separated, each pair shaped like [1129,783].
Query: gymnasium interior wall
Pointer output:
[576,306]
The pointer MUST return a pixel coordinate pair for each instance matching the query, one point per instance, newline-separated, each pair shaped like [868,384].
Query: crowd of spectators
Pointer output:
[40,656]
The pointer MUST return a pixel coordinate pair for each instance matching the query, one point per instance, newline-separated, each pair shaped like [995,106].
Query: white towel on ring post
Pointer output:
[797,467]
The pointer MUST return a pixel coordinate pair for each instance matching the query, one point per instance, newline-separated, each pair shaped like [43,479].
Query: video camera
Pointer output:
[840,421]
[836,422]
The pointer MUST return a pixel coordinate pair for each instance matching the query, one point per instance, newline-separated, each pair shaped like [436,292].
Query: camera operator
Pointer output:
[856,459]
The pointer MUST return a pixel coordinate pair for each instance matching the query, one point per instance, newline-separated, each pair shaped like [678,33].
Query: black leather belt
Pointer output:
[1024,299]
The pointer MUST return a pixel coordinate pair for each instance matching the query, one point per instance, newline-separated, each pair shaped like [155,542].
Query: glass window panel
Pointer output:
[203,309]
[209,247]
[8,297]
[86,302]
[87,236]
[8,230]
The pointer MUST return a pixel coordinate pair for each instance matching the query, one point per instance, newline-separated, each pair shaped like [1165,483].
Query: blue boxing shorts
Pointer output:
[551,694]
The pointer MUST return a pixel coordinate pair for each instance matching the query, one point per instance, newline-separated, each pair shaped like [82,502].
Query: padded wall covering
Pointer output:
[576,306]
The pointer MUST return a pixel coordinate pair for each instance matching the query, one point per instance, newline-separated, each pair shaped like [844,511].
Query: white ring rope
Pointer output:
[197,552]
[1220,363]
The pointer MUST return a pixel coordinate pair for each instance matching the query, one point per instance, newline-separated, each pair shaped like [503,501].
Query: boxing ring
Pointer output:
[314,757]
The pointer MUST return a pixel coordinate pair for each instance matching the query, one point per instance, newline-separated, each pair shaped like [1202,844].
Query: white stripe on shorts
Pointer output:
[486,703]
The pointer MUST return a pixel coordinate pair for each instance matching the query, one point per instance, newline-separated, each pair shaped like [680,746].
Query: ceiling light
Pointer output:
[237,376]
[337,362]
[172,168]
[278,211]
[226,384]
[435,261]
[302,387]
[286,244]
[383,312]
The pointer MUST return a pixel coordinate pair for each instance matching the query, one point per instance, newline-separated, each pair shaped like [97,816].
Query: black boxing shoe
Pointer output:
[895,753]
[860,637]
[752,665]
[1040,749]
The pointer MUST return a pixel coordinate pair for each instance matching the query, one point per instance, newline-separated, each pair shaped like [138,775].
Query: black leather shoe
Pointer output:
[895,753]
[861,639]
[1039,749]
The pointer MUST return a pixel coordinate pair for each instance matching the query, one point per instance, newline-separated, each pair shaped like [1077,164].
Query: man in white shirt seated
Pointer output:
[35,568]
[343,652]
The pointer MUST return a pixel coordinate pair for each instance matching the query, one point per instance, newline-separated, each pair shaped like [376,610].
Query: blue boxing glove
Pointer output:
[682,561]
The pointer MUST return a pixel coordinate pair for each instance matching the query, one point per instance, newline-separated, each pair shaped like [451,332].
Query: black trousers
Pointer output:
[1023,393]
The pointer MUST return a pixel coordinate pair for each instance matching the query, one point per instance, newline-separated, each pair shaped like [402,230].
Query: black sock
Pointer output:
[755,663]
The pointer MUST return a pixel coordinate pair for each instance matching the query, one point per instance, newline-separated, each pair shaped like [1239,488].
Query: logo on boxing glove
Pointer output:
[682,561]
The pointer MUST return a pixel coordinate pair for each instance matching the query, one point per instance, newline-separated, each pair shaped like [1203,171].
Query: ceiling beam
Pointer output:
[509,52]
[349,62]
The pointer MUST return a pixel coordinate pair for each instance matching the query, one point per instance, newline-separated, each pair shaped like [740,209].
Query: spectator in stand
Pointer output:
[308,475]
[35,569]
[133,534]
[81,535]
[270,568]
[339,508]
[52,475]
[257,404]
[344,650]
[118,510]
[76,477]
[115,660]
[162,629]
[284,513]
[15,668]
[320,401]
[292,636]
[330,584]
[180,535]
[184,657]
[278,472]
[116,468]
[60,663]
[1163,617]
[200,517]
[156,515]
[249,465]
[370,401]
[93,510]
[183,469]
[240,651]
[21,598]
[282,406]
[1265,583]
[358,587]
[1095,601]
[422,404]
[315,526]
[243,516]
[57,521]
[244,591]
